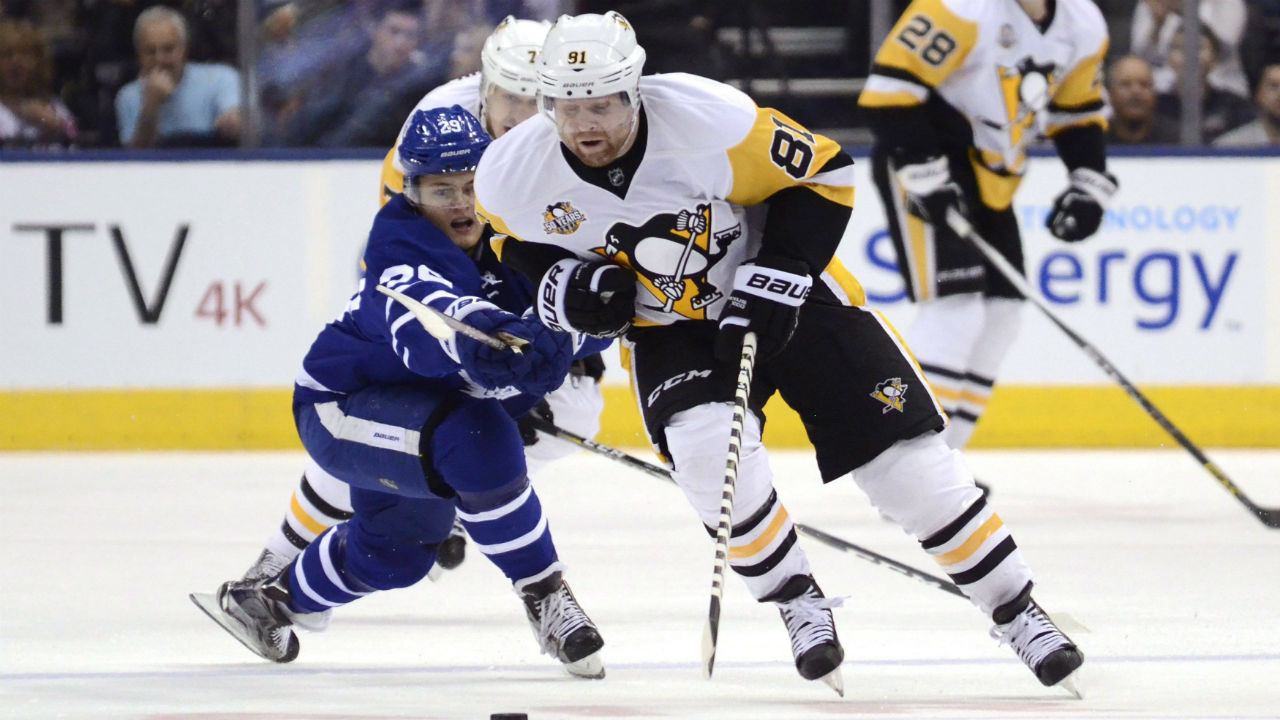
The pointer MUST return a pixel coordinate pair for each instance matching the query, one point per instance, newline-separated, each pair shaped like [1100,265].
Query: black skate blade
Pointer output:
[208,604]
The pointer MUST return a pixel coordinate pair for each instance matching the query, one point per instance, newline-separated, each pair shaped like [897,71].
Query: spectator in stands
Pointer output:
[1266,129]
[1221,110]
[677,34]
[31,116]
[1133,103]
[175,103]
[1156,21]
[362,101]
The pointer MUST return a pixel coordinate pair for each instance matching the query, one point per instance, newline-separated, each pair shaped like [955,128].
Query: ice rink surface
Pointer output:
[1167,584]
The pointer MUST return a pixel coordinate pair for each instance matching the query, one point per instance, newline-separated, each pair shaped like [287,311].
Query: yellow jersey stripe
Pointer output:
[762,542]
[970,546]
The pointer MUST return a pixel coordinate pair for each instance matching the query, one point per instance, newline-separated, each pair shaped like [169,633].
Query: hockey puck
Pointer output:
[508,716]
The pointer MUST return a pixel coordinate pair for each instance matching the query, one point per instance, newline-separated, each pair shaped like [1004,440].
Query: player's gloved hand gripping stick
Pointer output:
[443,327]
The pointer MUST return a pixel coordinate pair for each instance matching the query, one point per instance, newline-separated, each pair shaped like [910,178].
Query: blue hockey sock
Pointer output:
[319,578]
[513,534]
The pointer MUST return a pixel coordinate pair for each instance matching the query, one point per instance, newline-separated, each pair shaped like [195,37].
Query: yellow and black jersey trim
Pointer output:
[779,153]
[1079,101]
[926,45]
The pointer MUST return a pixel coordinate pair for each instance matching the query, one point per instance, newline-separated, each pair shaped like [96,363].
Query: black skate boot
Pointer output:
[561,628]
[454,549]
[1024,626]
[807,614]
[256,613]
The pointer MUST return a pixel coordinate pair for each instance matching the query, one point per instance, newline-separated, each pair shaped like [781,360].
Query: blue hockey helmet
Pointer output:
[441,140]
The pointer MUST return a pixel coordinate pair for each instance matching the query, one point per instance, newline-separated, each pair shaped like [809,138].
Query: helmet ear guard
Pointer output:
[590,56]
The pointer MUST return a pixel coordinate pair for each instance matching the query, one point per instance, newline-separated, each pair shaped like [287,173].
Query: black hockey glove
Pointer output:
[766,299]
[931,192]
[596,298]
[540,412]
[1077,212]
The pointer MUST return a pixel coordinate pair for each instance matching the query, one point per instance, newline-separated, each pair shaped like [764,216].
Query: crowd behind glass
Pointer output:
[344,73]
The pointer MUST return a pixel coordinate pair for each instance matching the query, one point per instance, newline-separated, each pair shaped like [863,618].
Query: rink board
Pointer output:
[167,304]
[1018,416]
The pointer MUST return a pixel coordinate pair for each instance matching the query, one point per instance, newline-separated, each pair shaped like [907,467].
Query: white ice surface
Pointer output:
[1165,581]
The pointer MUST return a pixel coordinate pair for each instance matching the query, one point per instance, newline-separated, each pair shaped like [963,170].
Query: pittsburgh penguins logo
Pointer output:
[1027,88]
[892,393]
[671,252]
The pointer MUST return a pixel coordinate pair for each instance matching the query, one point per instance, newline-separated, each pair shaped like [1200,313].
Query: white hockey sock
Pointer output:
[320,502]
[925,487]
[763,548]
[942,338]
[1002,319]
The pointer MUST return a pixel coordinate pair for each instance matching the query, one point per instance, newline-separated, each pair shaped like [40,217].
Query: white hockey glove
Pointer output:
[931,192]
[595,298]
[1077,212]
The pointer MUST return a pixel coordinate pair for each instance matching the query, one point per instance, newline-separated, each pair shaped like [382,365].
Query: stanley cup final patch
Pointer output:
[891,393]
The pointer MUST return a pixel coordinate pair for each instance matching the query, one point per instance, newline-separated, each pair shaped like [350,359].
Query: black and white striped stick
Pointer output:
[710,633]
[1269,516]
[821,536]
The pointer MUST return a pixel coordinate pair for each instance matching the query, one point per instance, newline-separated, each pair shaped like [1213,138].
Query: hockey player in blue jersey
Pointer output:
[421,427]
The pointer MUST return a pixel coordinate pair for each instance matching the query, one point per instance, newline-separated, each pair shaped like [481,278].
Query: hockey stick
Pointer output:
[681,264]
[444,327]
[1269,516]
[821,536]
[711,632]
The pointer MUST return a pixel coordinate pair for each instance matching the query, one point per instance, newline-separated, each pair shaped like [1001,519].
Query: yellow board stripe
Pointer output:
[970,546]
[303,517]
[261,419]
[762,542]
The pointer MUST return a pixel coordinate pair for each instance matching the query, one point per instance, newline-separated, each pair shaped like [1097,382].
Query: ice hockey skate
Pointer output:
[807,614]
[255,613]
[1023,625]
[561,628]
[270,564]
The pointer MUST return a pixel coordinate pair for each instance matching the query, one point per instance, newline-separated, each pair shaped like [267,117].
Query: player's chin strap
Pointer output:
[1269,516]
[546,426]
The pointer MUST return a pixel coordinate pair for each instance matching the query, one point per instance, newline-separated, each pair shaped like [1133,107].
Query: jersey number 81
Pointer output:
[916,35]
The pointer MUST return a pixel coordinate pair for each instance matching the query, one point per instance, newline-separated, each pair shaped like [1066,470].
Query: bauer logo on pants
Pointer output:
[892,393]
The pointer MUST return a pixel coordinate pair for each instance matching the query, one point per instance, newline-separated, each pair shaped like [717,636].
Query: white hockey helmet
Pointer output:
[590,56]
[509,56]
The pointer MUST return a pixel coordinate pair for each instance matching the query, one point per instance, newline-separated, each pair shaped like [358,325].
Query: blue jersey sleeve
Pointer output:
[408,254]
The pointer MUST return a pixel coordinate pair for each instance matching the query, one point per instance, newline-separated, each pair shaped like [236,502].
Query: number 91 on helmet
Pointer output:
[589,84]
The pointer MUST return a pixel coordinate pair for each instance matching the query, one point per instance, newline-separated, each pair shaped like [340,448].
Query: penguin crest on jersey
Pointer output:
[562,219]
[672,253]
[892,393]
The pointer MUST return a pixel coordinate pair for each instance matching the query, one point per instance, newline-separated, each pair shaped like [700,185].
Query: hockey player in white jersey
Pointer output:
[674,212]
[957,92]
[502,95]
[422,428]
